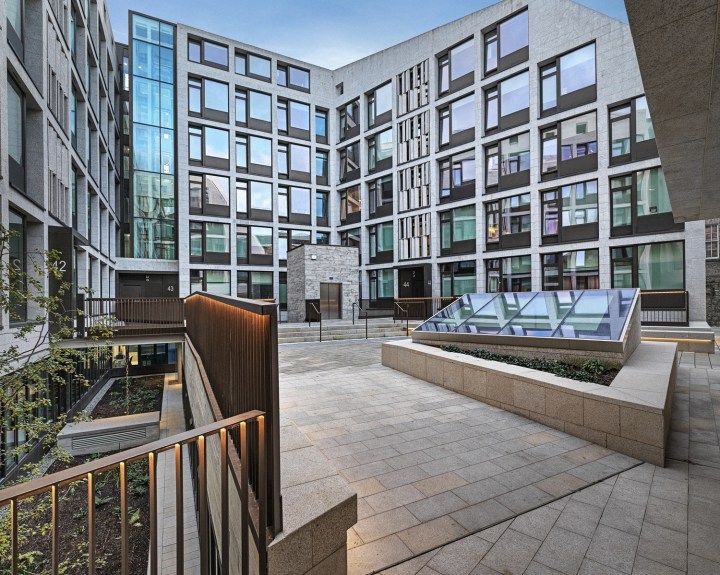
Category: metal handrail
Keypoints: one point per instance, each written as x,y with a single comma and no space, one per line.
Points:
404,310
319,313
10,496
356,303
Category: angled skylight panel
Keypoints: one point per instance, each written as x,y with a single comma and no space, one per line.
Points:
456,313
543,315
598,314
497,313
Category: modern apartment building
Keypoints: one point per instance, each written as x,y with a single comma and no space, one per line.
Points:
509,150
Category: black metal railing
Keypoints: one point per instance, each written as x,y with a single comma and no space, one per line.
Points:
670,307
244,426
313,313
236,340
361,312
420,308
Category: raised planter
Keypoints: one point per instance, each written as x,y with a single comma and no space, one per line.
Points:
110,433
631,416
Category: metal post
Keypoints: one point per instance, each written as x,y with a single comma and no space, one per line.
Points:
366,326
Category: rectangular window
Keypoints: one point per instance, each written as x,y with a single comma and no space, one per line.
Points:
300,202
241,107
349,163
293,77
255,285
456,67
321,208
241,198
382,284
457,122
507,163
513,274
568,81
210,242
457,279
570,213
659,266
457,231
217,143
258,67
260,155
507,223
241,245
321,167
712,244
261,196
16,35
506,43
261,242
379,105
380,148
641,204
321,126
350,205
260,110
579,270
208,53
457,177
381,242
240,63
349,118
16,135
632,136
573,150
380,196
209,194
507,103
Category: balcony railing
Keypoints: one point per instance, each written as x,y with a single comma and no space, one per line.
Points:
419,308
665,308
131,316
248,430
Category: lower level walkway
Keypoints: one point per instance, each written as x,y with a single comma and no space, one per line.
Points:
453,486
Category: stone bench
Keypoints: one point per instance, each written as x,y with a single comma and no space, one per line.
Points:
631,416
110,433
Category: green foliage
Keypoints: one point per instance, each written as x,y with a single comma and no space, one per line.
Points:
591,371
28,363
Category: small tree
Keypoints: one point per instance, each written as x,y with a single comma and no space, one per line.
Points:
33,364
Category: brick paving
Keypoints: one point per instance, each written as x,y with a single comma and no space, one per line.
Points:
431,467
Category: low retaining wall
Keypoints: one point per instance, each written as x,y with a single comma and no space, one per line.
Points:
318,505
631,416
110,433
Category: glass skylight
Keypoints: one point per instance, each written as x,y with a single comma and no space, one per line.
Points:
586,314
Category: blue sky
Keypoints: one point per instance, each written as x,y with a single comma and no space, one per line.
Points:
328,33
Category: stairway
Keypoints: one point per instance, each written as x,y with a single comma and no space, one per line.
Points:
335,330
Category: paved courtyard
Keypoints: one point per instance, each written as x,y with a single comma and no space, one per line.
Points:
450,485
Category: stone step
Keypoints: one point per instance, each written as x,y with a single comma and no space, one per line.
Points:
308,338
344,330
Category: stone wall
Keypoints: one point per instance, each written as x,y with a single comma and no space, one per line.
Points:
310,265
713,292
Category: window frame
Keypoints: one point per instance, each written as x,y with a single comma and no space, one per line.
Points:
509,121
508,239
457,247
454,269
494,267
644,150
17,173
573,166
207,209
192,39
384,256
288,76
207,160
458,138
634,263
378,204
321,179
572,233
205,112
286,148
512,180
321,139
510,60
561,276
321,218
347,217
714,252
660,222
448,165
371,99
251,284
373,146
444,60
220,258
294,217
345,131
574,99
289,129
346,175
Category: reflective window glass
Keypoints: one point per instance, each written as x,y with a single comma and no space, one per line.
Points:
514,34
259,66
217,143
299,78
299,116
260,151
216,95
515,94
260,106
299,158
215,53
300,200
462,59
261,196
577,69
463,114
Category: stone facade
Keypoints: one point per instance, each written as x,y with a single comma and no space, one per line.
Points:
311,265
712,271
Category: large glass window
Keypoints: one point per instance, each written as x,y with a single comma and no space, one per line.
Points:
15,19
216,95
260,106
215,53
577,69
350,203
457,226
209,194
578,137
381,238
505,99
261,196
349,161
217,143
349,116
512,37
458,62
259,66
579,203
379,102
300,200
380,148
712,241
382,284
380,193
261,241
515,214
507,157
652,193
639,201
321,124
632,136
299,116
255,285
457,279
456,118
260,151
458,173
299,158
16,135
321,164
513,274
659,266
578,270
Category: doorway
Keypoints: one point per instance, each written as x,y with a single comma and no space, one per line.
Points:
331,300
412,282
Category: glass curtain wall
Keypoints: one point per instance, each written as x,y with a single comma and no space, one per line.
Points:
153,108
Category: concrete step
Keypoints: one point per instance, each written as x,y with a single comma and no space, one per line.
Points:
315,329
309,338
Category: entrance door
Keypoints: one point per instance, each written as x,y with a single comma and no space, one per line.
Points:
330,301
412,282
